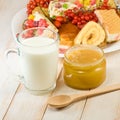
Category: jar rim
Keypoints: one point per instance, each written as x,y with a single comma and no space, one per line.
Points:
90,47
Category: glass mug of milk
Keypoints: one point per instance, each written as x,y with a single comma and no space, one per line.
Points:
38,59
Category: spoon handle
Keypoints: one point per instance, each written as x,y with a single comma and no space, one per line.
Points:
95,92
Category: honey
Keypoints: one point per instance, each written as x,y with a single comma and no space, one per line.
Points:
84,67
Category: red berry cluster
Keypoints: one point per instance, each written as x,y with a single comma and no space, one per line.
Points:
34,3
30,6
31,23
42,23
59,20
80,18
104,5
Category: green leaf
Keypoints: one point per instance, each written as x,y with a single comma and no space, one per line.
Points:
53,17
65,6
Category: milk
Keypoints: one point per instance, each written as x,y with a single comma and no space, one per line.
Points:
39,62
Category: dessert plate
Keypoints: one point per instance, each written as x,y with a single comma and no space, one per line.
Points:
19,18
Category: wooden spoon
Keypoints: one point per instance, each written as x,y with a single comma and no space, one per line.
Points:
65,100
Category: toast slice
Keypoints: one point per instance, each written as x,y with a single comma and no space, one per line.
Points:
110,21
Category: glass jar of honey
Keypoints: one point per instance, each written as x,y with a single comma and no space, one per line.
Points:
84,67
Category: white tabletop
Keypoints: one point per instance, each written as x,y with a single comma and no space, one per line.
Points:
17,104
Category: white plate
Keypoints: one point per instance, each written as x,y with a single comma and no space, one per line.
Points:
112,47
17,22
20,16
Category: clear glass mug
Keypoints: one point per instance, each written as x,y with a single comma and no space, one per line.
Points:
38,59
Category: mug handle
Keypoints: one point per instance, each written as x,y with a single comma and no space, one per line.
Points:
7,53
15,66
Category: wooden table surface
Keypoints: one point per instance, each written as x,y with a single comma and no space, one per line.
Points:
17,104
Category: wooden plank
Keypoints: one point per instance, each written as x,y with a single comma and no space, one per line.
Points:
8,88
95,108
72,112
106,107
26,106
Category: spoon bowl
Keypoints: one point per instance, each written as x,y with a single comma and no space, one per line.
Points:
60,100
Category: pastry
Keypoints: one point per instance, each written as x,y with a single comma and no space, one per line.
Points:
92,33
57,8
67,33
110,21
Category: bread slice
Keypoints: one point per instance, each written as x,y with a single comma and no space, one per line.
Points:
110,21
